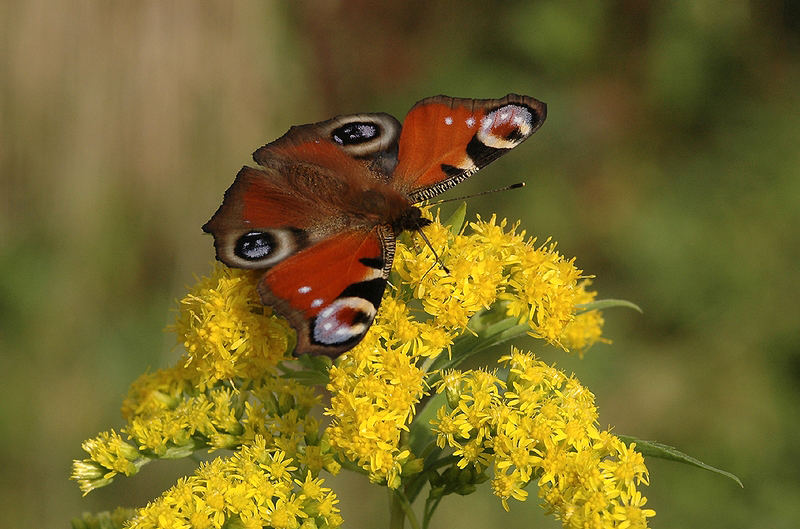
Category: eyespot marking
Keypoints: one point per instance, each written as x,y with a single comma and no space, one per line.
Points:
355,133
346,319
371,136
255,245
259,248
506,127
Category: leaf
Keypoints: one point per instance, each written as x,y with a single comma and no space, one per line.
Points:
602,304
314,372
491,328
662,451
456,220
421,434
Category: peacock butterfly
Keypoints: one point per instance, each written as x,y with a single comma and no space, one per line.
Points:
321,213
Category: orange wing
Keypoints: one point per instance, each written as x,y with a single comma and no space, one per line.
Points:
330,292
445,140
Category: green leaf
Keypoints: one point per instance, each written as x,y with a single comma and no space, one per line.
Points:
421,434
602,304
456,221
491,328
313,372
307,378
662,451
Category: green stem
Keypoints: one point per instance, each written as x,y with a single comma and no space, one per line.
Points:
397,515
400,510
430,508
415,486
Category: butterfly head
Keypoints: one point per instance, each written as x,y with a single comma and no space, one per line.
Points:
410,219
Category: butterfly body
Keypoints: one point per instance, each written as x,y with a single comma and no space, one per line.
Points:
321,213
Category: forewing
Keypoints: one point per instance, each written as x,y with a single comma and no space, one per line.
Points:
262,221
346,145
445,140
324,269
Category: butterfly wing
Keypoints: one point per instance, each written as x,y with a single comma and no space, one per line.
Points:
299,216
262,221
445,140
338,144
330,292
325,270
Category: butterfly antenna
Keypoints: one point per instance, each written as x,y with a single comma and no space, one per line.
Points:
436,255
506,188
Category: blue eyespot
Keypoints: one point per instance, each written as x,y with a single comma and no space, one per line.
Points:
254,246
355,133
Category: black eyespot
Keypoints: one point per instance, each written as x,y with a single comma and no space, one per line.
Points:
254,246
355,133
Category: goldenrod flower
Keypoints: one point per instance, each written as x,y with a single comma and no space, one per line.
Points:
540,425
225,331
232,389
174,412
253,488
378,385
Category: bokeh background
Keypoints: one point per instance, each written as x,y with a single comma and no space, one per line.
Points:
669,165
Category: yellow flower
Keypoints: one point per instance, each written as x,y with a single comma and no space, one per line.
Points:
506,486
232,390
254,488
377,385
225,331
543,428
586,328
373,400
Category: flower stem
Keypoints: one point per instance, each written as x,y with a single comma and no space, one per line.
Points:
400,509
397,515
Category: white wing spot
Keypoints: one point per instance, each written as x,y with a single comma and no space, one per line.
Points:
470,122
304,290
317,302
448,120
330,328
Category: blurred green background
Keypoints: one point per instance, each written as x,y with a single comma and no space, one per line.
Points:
669,165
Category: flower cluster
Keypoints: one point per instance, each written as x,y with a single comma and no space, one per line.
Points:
224,393
253,489
377,387
374,393
234,389
540,425
224,329
495,263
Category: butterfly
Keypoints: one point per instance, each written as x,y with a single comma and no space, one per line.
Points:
321,213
